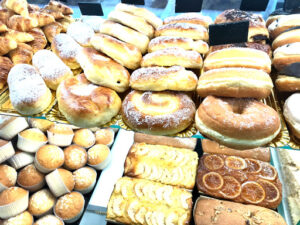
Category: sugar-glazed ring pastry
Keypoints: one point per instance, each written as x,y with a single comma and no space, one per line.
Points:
287,83
284,23
286,55
287,37
159,113
194,18
85,104
239,123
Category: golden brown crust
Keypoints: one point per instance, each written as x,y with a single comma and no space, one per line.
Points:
30,176
50,156
3,27
5,66
42,18
21,23
283,23
97,154
67,178
24,218
59,7
75,157
56,14
18,6
8,175
194,18
11,195
69,205
5,14
287,83
18,36
287,37
22,54
39,41
51,30
6,45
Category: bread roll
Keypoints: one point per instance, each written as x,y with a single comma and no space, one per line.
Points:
194,18
6,45
40,40
286,55
22,54
5,66
18,6
126,54
21,23
28,92
81,33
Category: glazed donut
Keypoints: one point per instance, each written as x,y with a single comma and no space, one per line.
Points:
186,30
85,104
162,42
287,37
102,70
66,49
275,16
194,18
28,92
174,78
291,112
286,55
236,122
283,23
140,12
126,54
132,21
125,34
158,113
286,83
173,57
238,57
81,33
235,82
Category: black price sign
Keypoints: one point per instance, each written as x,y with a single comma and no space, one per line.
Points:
228,33
292,5
90,9
254,5
188,6
134,2
292,70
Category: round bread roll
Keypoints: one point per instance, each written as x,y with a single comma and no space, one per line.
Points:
84,138
235,82
159,113
81,33
286,55
30,178
87,105
174,78
49,219
66,49
236,122
173,57
25,218
238,57
75,157
194,18
41,203
8,177
103,71
28,92
283,23
51,68
287,37
291,113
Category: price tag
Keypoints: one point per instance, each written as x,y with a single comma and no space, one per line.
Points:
90,9
228,33
254,5
188,6
292,5
134,2
291,70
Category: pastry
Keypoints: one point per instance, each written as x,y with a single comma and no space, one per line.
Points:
150,17
39,41
235,82
236,122
65,22
3,27
22,54
164,164
139,201
163,42
275,15
184,30
193,18
238,57
287,37
10,126
21,159
105,136
135,22
84,138
75,157
291,114
30,178
41,203
287,83
49,219
6,150
5,14
226,212
40,124
257,32
174,78
283,23
31,140
286,55
101,70
85,179
51,30
125,34
69,207
99,156
6,45
8,177
33,8
17,36
85,104
160,113
21,23
42,18
94,22
60,135
24,218
173,57
59,7
126,54
66,49
18,6
81,33
5,66
28,92
56,14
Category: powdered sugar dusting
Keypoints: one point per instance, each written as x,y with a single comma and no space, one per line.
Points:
84,176
83,90
80,32
174,51
66,46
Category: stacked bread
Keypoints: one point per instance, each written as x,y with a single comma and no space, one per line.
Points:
45,168
233,80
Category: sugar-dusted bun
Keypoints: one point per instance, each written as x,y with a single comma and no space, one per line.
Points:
238,57
174,78
51,68
60,135
105,136
194,18
8,177
30,178
40,124
75,157
99,156
10,126
291,113
162,42
41,203
49,219
84,138
287,83
173,57
28,92
149,16
21,159
69,207
132,21
286,55
126,54
236,122
85,179
103,71
93,21
31,140
235,82
66,49
287,37
60,182
6,150
25,218
160,113
184,30
283,23
13,201
125,34
81,32
85,104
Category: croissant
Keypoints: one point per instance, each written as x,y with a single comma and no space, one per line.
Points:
5,14
65,22
51,30
57,15
40,40
18,6
18,36
6,45
22,54
21,23
42,18
5,66
33,8
59,7
3,27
